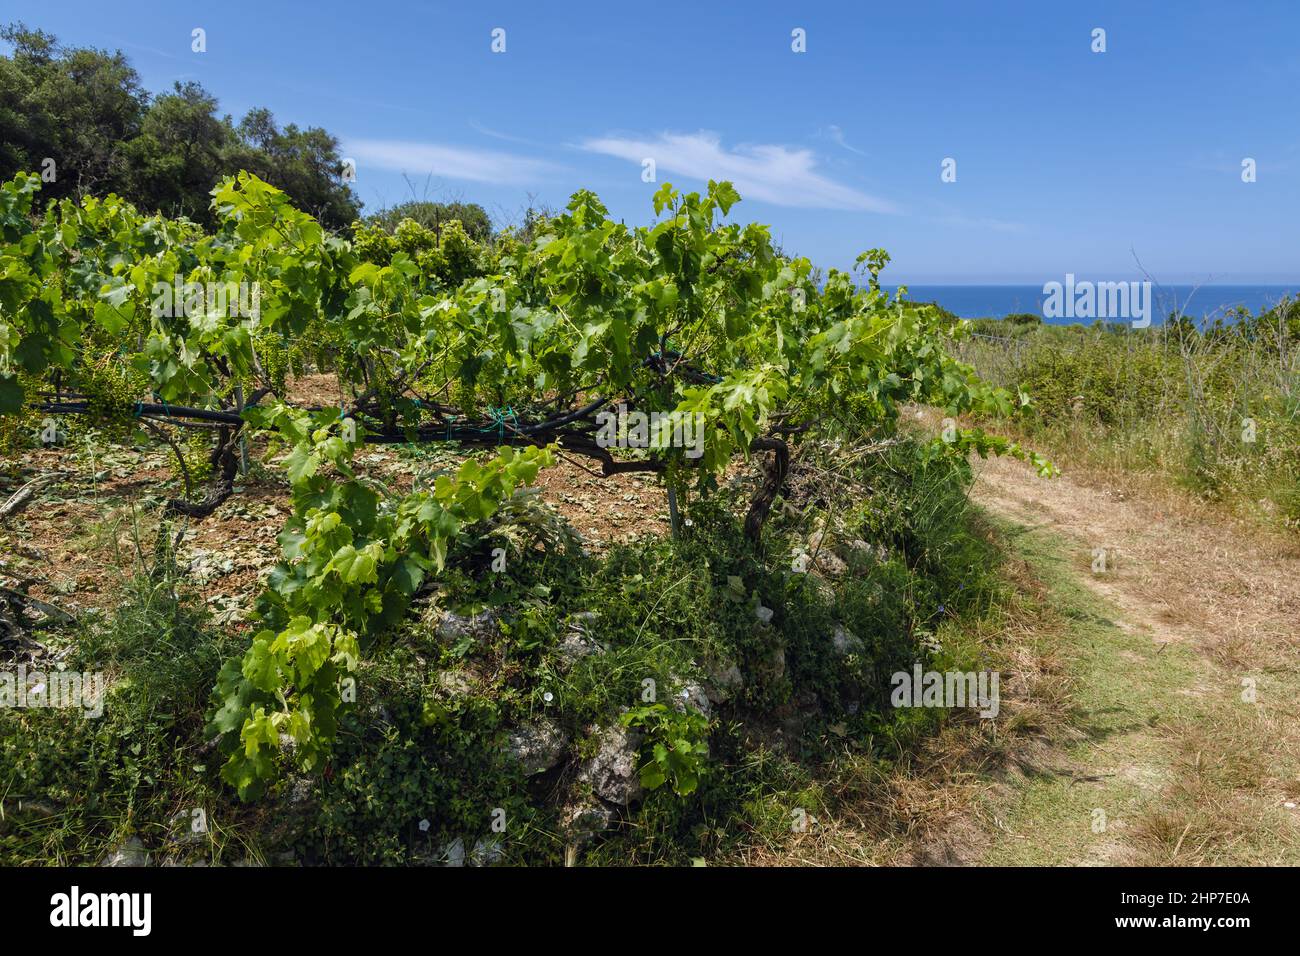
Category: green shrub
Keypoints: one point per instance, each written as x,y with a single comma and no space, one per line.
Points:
1213,409
131,769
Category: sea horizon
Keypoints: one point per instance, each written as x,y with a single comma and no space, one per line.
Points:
975,301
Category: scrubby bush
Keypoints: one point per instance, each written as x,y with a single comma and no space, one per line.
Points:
1212,408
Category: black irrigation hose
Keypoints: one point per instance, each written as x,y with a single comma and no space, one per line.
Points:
489,433
430,433
469,436
150,410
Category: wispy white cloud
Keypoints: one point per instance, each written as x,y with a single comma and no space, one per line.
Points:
837,135
777,174
984,222
448,162
478,127
150,49
946,214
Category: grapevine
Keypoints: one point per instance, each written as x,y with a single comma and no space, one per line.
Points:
516,347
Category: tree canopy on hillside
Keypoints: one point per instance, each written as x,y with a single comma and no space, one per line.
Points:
434,215
87,111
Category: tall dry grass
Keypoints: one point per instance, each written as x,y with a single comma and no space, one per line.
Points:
1214,408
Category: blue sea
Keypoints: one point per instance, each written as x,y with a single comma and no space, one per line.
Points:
1208,301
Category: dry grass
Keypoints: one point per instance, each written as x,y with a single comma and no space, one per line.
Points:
925,807
1228,595
1223,805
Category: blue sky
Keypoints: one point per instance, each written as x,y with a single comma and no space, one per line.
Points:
1067,160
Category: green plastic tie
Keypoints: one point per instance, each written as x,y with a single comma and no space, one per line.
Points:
499,419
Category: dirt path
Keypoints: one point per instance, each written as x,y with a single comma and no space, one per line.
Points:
1182,639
